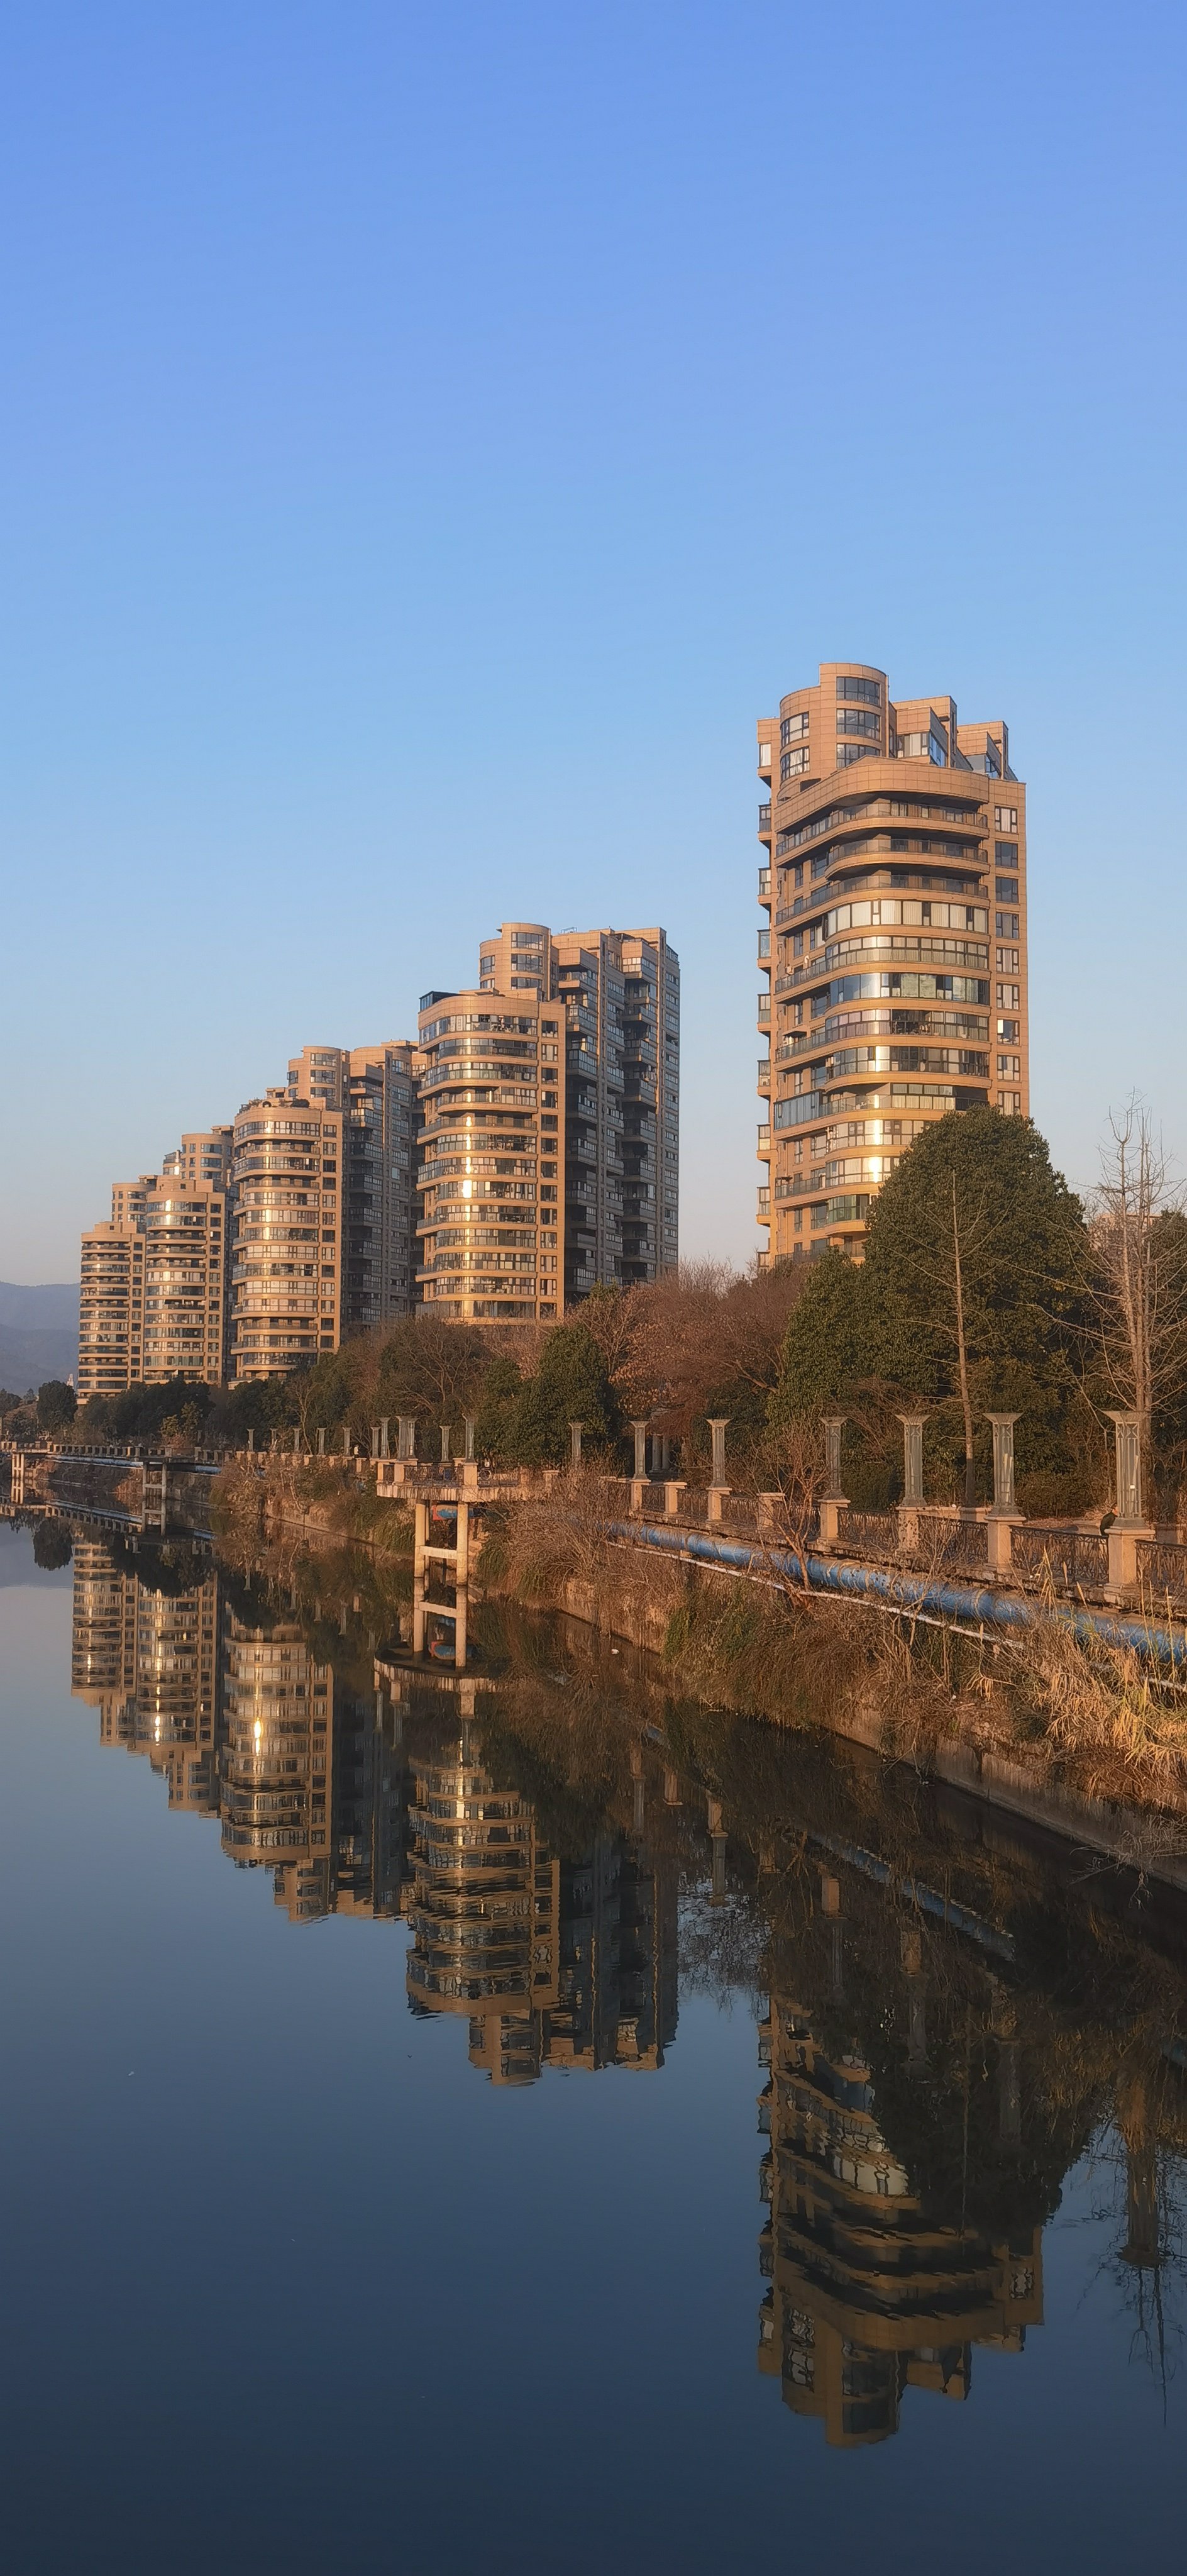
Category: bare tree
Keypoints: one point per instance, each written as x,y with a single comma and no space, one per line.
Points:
1138,1237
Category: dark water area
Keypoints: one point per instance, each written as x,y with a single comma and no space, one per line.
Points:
524,2124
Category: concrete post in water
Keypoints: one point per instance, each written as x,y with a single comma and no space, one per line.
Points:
1005,1512
469,1426
1129,1524
717,1837
406,1436
833,1500
575,1430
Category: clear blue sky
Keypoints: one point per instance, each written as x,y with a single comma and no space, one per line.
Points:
433,434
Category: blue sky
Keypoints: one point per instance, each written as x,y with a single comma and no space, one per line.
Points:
432,435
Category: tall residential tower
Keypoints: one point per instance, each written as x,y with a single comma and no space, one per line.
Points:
895,949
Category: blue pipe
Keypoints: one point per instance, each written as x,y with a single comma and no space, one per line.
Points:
907,1591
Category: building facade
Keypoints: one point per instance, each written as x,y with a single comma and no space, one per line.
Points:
375,1089
153,1295
620,990
492,1096
288,1234
894,951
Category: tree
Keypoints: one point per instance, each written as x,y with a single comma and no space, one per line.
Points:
1138,1277
52,1544
705,1340
970,1299
570,1384
57,1405
827,1346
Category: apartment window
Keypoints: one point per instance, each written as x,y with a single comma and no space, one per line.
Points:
858,720
1009,1067
1010,1103
847,753
1007,892
1007,928
1007,1031
865,689
1008,996
764,755
792,729
924,746
792,763
1006,853
1006,818
797,874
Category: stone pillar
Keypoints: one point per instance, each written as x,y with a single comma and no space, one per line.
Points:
420,1543
912,1460
321,1441
673,1490
1004,1512
375,1439
1130,1523
384,1449
833,1500
446,1429
297,1442
406,1436
718,1425
346,1439
575,1430
251,1440
469,1425
640,1432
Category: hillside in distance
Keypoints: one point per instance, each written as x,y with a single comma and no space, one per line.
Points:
38,1333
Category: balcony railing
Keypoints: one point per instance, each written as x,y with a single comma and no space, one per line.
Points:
764,818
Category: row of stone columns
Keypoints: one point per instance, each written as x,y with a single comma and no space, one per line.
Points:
1128,1523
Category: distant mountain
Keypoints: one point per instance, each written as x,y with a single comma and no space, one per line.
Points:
38,1334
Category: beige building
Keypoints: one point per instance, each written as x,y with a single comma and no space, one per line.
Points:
894,955
492,1094
110,1310
153,1296
621,995
375,1088
286,1261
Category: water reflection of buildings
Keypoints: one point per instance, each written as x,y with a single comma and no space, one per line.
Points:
148,1660
246,1721
869,2295
551,1962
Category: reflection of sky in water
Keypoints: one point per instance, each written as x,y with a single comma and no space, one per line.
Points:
594,2156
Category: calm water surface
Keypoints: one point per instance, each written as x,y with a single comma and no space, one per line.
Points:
536,2127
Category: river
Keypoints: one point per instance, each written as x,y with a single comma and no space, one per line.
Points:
528,2124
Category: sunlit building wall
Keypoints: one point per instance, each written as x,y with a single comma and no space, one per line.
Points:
892,965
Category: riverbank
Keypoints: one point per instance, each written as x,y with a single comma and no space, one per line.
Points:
1070,1731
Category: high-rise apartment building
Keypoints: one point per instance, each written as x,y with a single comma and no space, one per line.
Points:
110,1310
153,1297
375,1088
287,1250
895,948
621,995
492,1091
